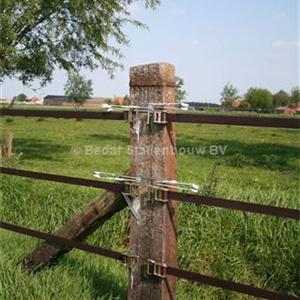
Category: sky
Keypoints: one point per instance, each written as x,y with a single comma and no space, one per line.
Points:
210,42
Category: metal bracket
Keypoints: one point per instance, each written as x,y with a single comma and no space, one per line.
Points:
157,116
160,117
130,261
132,189
158,194
156,269
131,115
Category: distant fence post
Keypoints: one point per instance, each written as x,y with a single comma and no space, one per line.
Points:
153,156
6,146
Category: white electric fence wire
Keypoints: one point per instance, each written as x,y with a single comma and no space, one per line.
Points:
173,184
150,107
182,186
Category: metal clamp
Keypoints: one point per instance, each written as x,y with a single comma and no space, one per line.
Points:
131,115
160,117
157,116
130,261
132,189
156,269
158,194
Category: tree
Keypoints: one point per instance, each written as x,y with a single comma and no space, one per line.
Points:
180,93
259,98
37,36
108,101
244,105
126,100
295,97
77,89
20,98
281,98
228,95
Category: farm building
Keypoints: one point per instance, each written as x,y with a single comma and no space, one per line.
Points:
288,110
34,101
63,100
5,101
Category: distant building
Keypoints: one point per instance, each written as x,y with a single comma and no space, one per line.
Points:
55,100
201,105
237,103
65,101
5,101
288,110
119,100
34,101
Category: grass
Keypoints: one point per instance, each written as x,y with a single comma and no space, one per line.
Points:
260,165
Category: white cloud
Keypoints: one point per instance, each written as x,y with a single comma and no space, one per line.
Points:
286,44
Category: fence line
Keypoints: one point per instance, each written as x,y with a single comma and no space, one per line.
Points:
170,270
155,81
196,199
181,118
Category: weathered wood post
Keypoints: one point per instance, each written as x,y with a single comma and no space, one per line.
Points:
153,156
6,146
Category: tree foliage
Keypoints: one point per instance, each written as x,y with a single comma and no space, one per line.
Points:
228,95
281,98
20,98
259,98
126,100
77,89
295,97
36,36
180,93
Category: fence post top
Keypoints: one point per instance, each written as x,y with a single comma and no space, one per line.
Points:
156,74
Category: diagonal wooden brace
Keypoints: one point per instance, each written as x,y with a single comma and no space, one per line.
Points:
81,225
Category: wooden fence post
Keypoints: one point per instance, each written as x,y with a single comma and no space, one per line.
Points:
6,146
153,156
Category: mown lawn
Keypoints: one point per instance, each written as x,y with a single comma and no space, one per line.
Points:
260,165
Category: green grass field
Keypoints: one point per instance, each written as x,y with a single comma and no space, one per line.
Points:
260,165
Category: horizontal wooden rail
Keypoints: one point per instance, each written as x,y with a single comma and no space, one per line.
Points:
237,205
66,114
227,284
181,118
183,274
196,199
62,241
235,120
113,187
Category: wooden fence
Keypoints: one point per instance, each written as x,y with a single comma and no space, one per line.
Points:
152,258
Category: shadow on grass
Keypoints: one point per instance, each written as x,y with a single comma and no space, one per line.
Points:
262,155
104,283
39,149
